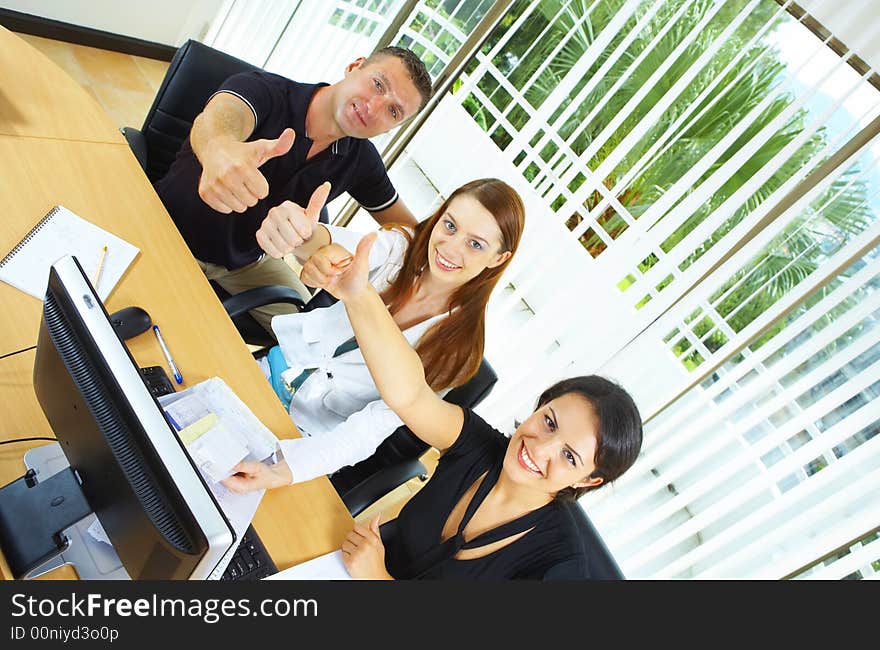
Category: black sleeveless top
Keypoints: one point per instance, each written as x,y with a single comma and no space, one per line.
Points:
553,548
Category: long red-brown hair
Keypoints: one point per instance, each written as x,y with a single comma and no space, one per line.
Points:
451,349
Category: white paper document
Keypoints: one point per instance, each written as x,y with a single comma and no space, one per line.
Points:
217,428
96,530
217,451
185,410
239,510
323,567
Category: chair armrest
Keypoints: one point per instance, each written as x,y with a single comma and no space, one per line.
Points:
246,300
137,143
321,298
377,485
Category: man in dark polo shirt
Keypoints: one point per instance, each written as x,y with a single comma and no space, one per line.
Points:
264,150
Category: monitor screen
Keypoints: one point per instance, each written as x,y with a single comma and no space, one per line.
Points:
133,470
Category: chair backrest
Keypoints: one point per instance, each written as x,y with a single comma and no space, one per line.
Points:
603,566
195,73
321,298
475,389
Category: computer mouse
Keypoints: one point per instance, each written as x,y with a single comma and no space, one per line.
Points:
130,321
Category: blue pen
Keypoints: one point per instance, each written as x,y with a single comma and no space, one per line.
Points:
177,376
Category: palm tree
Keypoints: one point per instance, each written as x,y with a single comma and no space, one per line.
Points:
795,254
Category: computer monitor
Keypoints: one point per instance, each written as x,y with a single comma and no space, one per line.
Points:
127,464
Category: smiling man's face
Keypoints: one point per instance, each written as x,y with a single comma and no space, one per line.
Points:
374,97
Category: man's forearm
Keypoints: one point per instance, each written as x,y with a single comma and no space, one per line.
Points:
225,118
320,238
397,213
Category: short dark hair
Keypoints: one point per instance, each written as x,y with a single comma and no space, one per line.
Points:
620,426
417,71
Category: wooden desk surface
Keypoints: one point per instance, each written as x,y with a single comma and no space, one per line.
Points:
39,99
102,182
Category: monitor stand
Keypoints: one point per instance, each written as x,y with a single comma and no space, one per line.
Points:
92,559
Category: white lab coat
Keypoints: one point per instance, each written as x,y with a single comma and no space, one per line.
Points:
338,408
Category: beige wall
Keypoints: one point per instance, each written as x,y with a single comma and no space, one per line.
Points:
169,22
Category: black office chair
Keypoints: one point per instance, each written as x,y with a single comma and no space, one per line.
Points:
396,460
603,566
251,331
195,73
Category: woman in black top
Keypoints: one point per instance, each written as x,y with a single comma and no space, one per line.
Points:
551,548
496,508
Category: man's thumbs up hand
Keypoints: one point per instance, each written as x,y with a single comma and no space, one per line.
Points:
231,180
266,149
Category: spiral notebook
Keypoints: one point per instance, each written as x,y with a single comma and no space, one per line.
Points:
61,232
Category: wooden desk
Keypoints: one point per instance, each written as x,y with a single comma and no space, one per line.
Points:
39,99
102,182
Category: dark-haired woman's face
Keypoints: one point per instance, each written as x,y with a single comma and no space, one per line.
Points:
555,447
464,241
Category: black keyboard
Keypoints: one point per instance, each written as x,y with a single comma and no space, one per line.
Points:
157,380
251,560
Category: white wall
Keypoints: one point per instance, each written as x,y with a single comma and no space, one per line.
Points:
854,22
169,22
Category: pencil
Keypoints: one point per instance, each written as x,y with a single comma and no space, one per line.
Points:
100,267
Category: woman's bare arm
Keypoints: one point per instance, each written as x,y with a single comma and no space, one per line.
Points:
394,365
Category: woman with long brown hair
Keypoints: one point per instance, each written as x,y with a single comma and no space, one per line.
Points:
435,279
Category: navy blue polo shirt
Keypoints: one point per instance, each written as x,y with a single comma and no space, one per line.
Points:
350,164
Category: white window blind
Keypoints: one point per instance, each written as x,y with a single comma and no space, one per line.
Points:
650,264
759,461
306,40
614,273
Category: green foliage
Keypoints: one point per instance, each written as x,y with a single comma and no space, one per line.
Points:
746,94
557,35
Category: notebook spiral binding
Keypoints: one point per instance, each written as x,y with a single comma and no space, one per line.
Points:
30,235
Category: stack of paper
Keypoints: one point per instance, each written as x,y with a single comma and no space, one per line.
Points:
219,431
